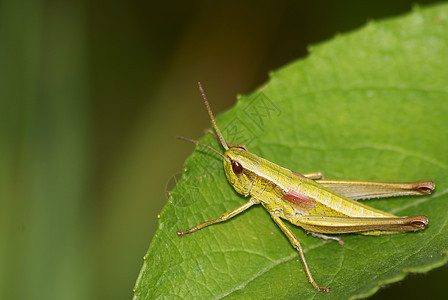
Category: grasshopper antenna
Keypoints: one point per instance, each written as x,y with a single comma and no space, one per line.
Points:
212,118
201,144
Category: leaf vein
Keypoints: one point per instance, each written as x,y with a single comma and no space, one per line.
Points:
275,263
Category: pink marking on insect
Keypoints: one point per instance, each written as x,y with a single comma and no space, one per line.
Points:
298,199
297,174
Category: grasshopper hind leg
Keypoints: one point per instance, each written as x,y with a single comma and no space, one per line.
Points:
296,244
326,237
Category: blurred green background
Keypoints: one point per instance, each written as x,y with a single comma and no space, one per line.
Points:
92,94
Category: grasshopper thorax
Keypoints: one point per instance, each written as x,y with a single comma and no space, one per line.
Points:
241,168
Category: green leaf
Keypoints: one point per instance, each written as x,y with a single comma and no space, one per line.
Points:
371,104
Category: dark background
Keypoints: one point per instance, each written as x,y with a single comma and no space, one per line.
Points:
92,94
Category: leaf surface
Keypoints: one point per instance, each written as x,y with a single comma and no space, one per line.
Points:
371,104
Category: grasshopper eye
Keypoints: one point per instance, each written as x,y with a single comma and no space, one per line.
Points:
237,167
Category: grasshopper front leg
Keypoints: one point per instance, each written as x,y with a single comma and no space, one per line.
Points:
224,217
296,244
314,175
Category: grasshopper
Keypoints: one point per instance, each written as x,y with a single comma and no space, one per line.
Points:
319,206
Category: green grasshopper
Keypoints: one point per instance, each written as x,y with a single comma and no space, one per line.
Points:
319,206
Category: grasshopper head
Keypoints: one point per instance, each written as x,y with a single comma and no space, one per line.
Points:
239,164
240,167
